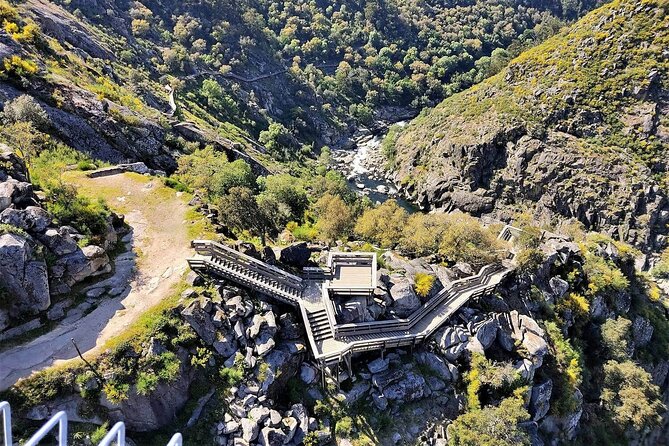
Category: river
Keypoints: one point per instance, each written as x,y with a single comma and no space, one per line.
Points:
361,166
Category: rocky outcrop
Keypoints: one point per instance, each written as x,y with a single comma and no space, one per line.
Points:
29,237
296,254
23,277
524,148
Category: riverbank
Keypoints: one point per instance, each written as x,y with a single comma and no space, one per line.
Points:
363,167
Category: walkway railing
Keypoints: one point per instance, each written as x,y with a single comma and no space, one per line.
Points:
246,270
115,435
406,324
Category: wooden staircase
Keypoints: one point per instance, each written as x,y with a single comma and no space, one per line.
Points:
224,262
319,325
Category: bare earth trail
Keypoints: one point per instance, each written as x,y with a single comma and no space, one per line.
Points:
147,274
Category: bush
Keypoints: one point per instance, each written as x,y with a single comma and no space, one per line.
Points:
26,109
16,66
334,217
631,396
9,229
231,376
382,225
617,337
423,232
491,426
99,433
146,383
116,392
344,427
69,208
423,284
467,241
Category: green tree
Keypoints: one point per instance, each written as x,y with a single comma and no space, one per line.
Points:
382,225
467,241
334,217
275,139
631,396
491,426
288,190
617,337
238,210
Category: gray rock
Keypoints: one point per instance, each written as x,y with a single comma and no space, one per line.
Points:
272,437
264,344
642,331
558,286
267,255
249,429
32,219
308,374
296,254
436,364
435,384
59,242
540,400
405,300
411,387
359,389
378,365
13,192
259,414
379,400
200,321
23,277
225,344
486,332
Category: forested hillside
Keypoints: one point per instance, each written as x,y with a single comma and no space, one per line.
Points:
575,128
232,63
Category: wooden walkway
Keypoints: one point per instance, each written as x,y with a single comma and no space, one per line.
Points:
333,344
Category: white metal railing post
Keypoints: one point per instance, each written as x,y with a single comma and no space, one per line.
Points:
117,432
176,440
6,423
61,420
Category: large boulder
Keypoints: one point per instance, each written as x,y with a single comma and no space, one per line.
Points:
11,165
23,277
33,219
200,321
144,413
405,299
525,331
540,400
486,332
452,341
437,365
296,254
13,192
409,388
642,331
77,266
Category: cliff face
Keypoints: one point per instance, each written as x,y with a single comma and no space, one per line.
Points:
574,128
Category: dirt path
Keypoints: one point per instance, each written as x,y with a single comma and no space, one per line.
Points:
160,244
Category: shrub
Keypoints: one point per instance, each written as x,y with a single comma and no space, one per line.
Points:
491,426
16,66
603,275
9,229
467,241
26,109
146,383
423,284
631,396
115,391
231,376
423,232
86,165
69,208
577,304
382,225
334,217
344,427
617,336
569,370
99,433
661,268
528,260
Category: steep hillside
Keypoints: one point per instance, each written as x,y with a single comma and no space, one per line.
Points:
576,127
103,69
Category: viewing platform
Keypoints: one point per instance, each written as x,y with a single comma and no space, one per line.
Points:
327,297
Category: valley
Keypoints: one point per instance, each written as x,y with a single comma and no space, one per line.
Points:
335,223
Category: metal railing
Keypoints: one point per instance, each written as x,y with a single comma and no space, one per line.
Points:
115,435
483,277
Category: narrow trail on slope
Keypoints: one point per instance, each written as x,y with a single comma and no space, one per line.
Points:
147,274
